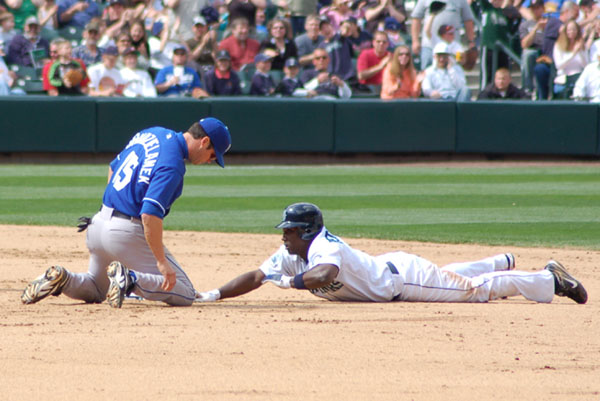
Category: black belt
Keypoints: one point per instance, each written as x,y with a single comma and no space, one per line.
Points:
120,215
392,268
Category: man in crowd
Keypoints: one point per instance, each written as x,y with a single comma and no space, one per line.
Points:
240,46
444,80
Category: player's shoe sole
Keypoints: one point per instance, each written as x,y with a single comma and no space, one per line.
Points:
566,285
120,284
49,283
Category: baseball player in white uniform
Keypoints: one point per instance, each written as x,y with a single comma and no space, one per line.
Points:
313,259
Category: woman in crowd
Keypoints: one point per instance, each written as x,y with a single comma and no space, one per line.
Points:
279,45
400,78
139,40
570,58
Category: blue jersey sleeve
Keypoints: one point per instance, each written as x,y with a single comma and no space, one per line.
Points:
161,77
166,186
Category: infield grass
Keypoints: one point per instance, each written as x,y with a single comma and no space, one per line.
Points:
527,206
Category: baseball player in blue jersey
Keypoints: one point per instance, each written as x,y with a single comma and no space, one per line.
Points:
312,258
125,238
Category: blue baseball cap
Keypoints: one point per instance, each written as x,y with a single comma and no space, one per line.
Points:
219,137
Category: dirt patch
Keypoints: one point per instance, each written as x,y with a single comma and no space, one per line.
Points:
287,344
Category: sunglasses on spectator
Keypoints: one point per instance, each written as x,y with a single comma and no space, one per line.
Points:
321,57
403,54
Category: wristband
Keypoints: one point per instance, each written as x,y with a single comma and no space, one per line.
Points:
299,282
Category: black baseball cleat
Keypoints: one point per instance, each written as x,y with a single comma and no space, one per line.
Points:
566,285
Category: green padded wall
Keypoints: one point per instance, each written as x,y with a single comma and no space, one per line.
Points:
43,124
395,126
277,125
527,127
120,119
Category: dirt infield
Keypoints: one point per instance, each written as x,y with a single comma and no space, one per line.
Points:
278,344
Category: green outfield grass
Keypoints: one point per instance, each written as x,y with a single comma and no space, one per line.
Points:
531,206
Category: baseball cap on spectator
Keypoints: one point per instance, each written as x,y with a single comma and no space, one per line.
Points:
199,20
113,2
219,135
292,62
111,51
210,14
323,19
536,3
92,26
179,48
441,48
391,24
131,50
223,55
444,29
32,20
157,28
261,57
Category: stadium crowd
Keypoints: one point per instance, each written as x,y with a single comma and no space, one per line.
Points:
301,48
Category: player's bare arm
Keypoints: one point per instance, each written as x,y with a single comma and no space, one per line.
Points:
317,277
240,285
153,231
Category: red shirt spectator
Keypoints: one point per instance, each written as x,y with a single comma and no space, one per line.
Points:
241,48
371,62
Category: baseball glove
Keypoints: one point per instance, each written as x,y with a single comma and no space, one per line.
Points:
469,59
73,76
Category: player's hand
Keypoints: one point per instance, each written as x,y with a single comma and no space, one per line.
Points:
169,276
208,296
279,280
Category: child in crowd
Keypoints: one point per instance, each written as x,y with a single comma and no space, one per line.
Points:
7,28
262,83
447,33
290,82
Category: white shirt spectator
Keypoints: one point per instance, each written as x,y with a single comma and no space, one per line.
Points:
448,82
568,64
139,83
588,84
100,77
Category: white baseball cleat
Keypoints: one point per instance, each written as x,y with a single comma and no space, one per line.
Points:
121,284
49,283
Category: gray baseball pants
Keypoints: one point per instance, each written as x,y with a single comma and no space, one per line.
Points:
111,238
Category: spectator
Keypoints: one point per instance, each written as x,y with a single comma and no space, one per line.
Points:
22,10
594,38
376,13
551,8
279,45
590,10
497,24
371,62
290,81
76,13
544,63
8,78
105,78
262,32
245,9
241,48
339,11
185,11
340,51
262,83
20,48
531,33
320,83
570,58
447,34
454,12
54,45
202,45
587,86
222,80
392,28
400,77
299,11
67,76
47,15
138,82
123,43
443,80
89,51
117,18
178,80
309,41
502,88
360,39
139,40
7,28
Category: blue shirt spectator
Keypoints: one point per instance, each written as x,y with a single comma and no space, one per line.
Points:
76,13
187,79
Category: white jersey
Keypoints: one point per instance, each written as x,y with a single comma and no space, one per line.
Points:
361,277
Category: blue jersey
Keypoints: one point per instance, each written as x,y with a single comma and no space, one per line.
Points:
148,174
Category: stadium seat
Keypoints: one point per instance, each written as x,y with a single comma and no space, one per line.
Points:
31,86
